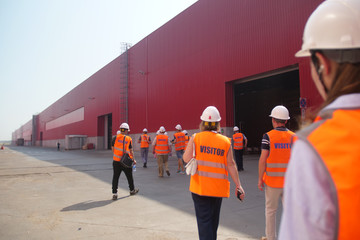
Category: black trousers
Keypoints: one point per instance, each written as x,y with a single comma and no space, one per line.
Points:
118,168
207,211
239,159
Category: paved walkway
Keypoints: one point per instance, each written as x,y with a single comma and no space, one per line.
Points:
49,194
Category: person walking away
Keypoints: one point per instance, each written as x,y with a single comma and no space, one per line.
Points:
144,141
118,147
113,140
210,182
187,138
162,149
322,199
274,157
179,141
239,144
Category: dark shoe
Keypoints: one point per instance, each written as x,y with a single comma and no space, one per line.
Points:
133,192
168,173
115,197
144,165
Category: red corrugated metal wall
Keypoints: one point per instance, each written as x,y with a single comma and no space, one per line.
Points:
189,63
189,60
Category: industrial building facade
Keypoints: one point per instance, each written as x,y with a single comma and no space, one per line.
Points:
237,55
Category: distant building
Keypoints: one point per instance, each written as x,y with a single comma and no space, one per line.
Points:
235,55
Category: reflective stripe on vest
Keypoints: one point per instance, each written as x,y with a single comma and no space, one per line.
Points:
276,163
212,174
335,138
118,146
144,141
162,144
238,141
211,178
180,141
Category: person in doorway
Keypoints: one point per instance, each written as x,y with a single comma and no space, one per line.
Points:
121,140
144,141
162,149
322,199
179,141
239,141
210,183
58,146
275,155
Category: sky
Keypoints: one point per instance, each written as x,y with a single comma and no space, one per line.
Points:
48,47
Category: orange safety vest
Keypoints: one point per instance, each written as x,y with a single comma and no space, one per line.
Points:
277,161
162,144
144,141
180,141
118,146
336,141
211,177
238,139
187,138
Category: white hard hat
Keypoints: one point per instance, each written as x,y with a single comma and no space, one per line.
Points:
118,132
125,126
178,127
145,130
280,112
184,131
335,24
162,129
210,114
236,129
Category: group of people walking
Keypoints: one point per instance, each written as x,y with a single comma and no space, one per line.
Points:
314,171
162,148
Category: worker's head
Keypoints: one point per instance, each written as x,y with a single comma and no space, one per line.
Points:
279,115
210,119
124,128
332,40
145,130
162,130
178,127
236,129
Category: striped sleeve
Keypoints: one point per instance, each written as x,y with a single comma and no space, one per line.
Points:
265,142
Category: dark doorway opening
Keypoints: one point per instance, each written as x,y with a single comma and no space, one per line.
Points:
109,130
41,139
104,131
254,99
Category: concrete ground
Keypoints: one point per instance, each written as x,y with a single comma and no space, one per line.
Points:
50,194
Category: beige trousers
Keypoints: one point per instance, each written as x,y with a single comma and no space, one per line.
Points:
272,196
162,160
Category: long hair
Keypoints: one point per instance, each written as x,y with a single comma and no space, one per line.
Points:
346,81
209,126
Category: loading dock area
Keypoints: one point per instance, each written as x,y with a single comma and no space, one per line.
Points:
255,97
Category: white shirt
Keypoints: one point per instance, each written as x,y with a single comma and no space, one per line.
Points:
309,208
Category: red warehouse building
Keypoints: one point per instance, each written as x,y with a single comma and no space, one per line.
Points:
237,55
